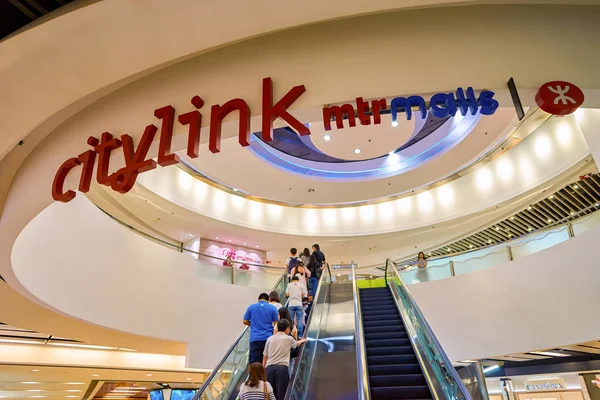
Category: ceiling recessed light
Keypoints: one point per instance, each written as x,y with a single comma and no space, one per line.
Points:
447,248
575,187
597,204
357,151
512,218
394,123
529,208
572,213
470,246
256,245
229,240
189,234
217,237
35,370
551,197
31,383
34,390
489,241
529,229
497,228
188,379
95,375
429,253
549,221
244,242
327,137
148,374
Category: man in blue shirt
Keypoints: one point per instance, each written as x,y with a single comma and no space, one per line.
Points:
260,317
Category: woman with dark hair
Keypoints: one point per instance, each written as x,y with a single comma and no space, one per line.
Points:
303,273
421,260
274,299
284,313
256,386
305,256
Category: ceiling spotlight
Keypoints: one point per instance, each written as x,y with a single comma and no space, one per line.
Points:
551,197
256,245
189,234
244,242
597,204
429,253
497,228
529,208
327,137
575,187
572,213
490,241
357,151
470,246
95,375
217,237
35,370
188,379
512,218
148,374
229,240
530,229
394,123
549,221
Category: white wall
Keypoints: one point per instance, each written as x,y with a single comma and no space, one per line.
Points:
80,262
545,300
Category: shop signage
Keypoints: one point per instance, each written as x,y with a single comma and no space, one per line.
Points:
551,384
559,97
441,105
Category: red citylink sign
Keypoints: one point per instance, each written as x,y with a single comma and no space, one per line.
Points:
136,162
559,97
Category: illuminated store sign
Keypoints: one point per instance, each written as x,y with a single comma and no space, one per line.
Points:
440,105
559,97
550,384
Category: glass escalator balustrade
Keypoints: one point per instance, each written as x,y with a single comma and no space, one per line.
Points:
439,372
222,383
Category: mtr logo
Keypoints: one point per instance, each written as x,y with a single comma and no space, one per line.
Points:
441,105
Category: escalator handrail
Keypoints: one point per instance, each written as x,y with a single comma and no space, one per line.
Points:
426,326
308,321
361,352
229,351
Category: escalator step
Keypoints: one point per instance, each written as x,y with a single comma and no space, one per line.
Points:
398,380
377,317
388,360
394,369
390,330
397,334
386,342
383,322
406,392
390,351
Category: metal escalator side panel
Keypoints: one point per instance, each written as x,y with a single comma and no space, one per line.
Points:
441,377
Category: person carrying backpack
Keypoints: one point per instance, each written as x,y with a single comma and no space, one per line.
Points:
291,261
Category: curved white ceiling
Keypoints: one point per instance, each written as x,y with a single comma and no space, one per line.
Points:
555,146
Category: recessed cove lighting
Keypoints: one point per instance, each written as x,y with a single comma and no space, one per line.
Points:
31,383
327,137
34,390
357,151
394,123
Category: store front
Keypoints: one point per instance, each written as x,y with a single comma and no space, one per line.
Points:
551,387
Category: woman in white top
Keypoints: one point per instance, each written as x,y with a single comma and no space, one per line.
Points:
256,386
303,274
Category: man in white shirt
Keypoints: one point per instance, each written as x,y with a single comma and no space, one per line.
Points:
276,358
295,292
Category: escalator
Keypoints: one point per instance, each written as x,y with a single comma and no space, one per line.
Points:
393,367
377,335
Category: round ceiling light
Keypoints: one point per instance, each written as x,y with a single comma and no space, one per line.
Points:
327,137
394,123
357,151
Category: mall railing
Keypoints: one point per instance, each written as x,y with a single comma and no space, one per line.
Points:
468,261
441,376
223,270
298,388
222,382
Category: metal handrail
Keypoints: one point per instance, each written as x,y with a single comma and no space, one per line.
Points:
229,351
308,321
426,326
179,247
564,221
361,360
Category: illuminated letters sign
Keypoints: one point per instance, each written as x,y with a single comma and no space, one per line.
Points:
440,105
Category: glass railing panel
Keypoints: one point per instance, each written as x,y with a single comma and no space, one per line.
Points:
221,384
298,389
586,223
439,371
258,277
436,270
539,241
213,272
481,259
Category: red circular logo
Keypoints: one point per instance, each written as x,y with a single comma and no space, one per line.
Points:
559,97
